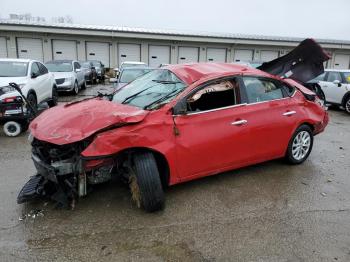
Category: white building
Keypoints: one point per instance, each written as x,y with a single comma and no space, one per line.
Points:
113,45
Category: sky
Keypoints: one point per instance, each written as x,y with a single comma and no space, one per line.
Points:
295,18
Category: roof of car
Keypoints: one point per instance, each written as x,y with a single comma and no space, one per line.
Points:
190,73
337,70
138,68
17,60
134,62
59,61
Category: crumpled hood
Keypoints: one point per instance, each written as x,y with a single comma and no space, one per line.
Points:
73,122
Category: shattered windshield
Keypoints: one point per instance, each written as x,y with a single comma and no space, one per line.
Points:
151,90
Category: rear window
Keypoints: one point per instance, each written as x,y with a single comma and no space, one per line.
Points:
347,77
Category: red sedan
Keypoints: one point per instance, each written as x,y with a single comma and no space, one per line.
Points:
172,125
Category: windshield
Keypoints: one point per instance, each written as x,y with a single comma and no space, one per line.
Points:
13,69
59,67
96,64
129,75
85,65
151,90
124,65
347,77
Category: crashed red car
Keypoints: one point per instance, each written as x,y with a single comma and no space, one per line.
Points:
176,124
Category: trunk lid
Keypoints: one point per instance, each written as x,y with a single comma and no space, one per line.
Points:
73,122
302,64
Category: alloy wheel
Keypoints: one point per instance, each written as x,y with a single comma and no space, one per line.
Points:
301,145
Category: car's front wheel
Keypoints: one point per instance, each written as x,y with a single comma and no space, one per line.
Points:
300,145
347,105
145,184
76,88
54,99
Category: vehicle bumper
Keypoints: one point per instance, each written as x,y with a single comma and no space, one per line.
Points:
67,86
320,127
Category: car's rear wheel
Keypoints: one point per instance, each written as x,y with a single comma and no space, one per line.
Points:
75,88
145,184
12,128
347,105
300,145
83,86
54,100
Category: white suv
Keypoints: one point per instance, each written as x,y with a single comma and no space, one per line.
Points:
37,83
335,86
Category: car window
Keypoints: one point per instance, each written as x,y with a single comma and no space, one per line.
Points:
35,69
332,76
13,69
347,77
218,94
320,77
43,69
76,65
259,90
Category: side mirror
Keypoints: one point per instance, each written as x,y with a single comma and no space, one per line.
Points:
77,70
337,82
180,108
34,75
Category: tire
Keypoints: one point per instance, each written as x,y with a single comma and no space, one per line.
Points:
145,183
12,128
300,145
54,100
83,86
75,88
347,105
33,102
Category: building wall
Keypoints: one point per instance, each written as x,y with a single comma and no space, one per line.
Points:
114,40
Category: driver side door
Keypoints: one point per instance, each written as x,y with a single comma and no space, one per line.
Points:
212,139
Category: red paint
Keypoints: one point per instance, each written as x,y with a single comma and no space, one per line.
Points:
207,143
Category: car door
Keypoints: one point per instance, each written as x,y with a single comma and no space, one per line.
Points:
269,117
79,73
212,135
47,81
333,88
36,82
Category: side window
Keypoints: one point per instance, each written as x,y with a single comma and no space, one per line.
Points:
218,94
76,65
259,89
35,69
332,76
43,69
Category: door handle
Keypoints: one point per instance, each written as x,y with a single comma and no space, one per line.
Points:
239,122
289,113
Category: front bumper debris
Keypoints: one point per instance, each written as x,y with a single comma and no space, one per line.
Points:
33,189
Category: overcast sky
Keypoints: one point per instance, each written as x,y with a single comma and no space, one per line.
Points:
300,18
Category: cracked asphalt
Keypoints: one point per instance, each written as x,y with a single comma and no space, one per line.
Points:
267,212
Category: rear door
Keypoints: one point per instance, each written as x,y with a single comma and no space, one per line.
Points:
268,117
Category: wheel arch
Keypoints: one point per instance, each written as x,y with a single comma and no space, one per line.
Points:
162,161
345,97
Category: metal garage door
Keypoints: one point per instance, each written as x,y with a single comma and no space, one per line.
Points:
243,55
341,61
216,54
188,55
268,55
3,47
98,51
64,49
158,55
30,48
129,52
